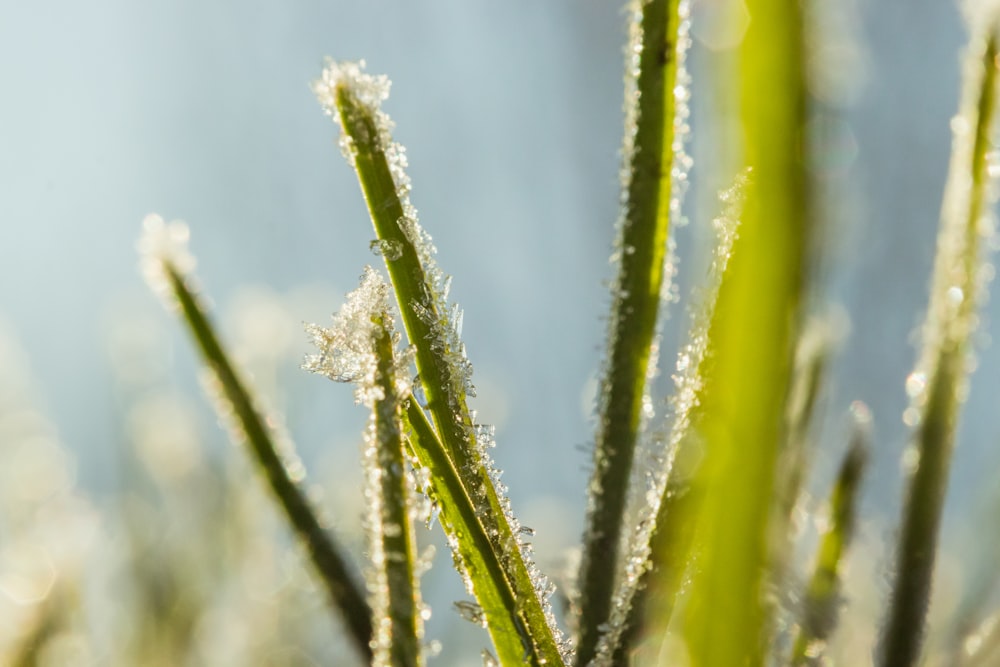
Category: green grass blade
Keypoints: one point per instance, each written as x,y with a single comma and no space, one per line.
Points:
822,599
660,551
399,634
469,541
168,267
353,98
656,45
939,381
752,338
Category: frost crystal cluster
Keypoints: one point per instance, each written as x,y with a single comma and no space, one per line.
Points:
346,351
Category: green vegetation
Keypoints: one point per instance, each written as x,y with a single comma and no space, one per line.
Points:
700,573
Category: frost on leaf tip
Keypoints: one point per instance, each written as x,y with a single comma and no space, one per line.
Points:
346,349
163,248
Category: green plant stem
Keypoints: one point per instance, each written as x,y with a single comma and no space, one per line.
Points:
819,616
752,336
943,365
460,521
330,565
443,387
401,597
642,246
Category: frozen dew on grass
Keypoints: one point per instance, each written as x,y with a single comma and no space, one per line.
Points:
353,98
661,480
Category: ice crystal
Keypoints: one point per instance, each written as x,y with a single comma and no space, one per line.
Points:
346,352
163,248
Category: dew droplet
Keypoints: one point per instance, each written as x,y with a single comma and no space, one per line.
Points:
916,382
390,249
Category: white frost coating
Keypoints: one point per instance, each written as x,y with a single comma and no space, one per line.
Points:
164,244
959,283
688,382
445,323
346,349
347,353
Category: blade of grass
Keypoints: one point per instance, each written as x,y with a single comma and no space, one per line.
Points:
819,614
660,550
752,336
468,539
939,382
399,631
641,246
331,566
353,99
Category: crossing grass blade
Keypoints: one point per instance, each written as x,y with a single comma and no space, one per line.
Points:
641,246
939,382
352,97
331,566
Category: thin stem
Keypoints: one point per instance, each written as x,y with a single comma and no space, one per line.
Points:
938,383
642,246
819,615
330,565
398,603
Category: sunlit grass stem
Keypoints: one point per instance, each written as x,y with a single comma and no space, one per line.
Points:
395,529
939,382
331,566
438,364
642,245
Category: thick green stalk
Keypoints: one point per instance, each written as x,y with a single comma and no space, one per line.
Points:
752,338
399,633
330,564
443,369
938,383
819,614
641,246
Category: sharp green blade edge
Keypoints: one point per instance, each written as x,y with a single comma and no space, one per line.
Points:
938,383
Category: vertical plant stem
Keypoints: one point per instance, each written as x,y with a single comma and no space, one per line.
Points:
400,629
642,246
938,383
440,357
819,615
752,338
330,565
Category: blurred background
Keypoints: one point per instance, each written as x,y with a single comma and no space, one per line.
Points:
114,470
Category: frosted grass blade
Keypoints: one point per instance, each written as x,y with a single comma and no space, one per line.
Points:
939,382
352,98
660,550
399,633
822,599
168,268
483,573
752,336
647,183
